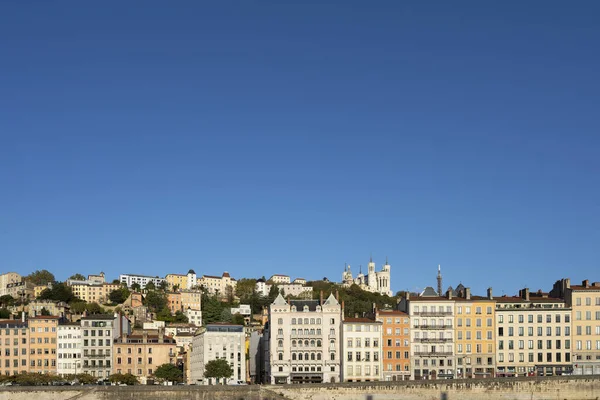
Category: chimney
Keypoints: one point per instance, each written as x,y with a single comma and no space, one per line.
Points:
449,294
525,294
161,335
489,294
568,283
321,297
22,316
355,315
586,283
407,295
144,336
468,293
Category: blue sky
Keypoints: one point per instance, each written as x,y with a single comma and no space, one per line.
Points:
292,137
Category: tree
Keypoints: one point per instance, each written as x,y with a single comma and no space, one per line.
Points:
155,301
273,293
127,379
238,319
43,311
86,379
226,315
150,286
4,313
244,289
7,300
164,285
78,307
77,277
136,287
40,277
212,309
168,373
118,296
58,292
218,369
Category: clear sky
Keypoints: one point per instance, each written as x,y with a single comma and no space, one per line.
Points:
291,137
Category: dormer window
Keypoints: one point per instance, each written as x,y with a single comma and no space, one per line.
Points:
318,308
294,309
305,309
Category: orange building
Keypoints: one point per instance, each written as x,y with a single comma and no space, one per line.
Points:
42,344
396,344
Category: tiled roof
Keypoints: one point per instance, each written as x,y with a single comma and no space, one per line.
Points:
392,312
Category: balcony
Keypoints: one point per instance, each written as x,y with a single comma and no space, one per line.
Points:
432,354
97,356
432,326
433,313
432,340
95,367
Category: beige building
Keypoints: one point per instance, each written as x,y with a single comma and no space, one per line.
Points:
218,284
42,344
7,278
533,335
361,350
280,279
475,339
93,292
584,300
14,347
52,307
20,290
182,282
142,352
303,341
98,333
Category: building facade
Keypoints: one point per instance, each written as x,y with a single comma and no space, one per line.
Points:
6,279
14,347
396,344
533,335
94,292
69,349
222,285
142,352
99,332
303,341
218,341
42,344
280,279
361,350
142,280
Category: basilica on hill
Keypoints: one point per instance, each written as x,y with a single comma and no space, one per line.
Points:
376,282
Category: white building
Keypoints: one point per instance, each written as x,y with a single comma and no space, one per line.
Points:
98,334
362,357
225,341
296,290
154,325
91,280
141,280
299,281
374,281
280,279
69,351
262,287
192,279
243,309
303,340
194,316
432,353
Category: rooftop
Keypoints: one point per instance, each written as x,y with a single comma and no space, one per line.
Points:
360,320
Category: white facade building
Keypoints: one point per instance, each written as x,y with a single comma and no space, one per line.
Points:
262,287
362,358
280,279
141,280
225,341
194,316
69,351
374,281
243,309
303,340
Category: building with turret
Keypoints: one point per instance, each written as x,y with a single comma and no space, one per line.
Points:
373,281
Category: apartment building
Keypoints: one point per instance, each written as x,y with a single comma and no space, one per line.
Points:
142,280
14,347
194,316
179,281
94,292
296,290
533,335
361,350
52,307
69,349
584,300
23,290
142,352
99,332
432,334
42,344
303,341
218,341
396,344
218,284
7,278
280,279
475,339
262,287
91,280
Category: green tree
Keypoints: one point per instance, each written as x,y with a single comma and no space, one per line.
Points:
77,277
238,319
4,313
212,309
218,369
226,315
127,379
59,292
164,285
40,277
44,311
273,293
86,379
136,287
155,301
150,286
245,288
168,373
7,300
118,296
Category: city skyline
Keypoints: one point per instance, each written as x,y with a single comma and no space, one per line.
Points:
293,138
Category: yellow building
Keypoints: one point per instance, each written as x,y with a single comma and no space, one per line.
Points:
94,293
584,300
142,352
176,281
223,285
42,344
14,347
38,289
475,335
